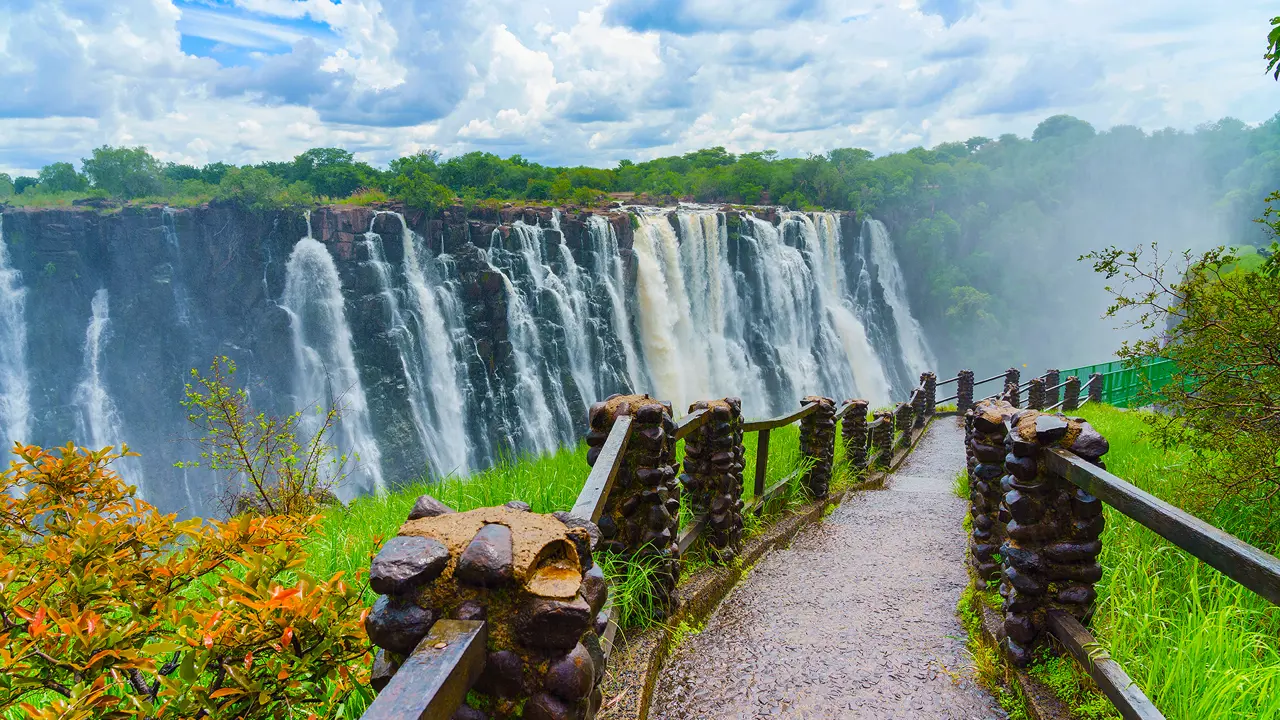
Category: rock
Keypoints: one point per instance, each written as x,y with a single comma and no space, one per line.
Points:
383,669
407,562
582,542
601,623
470,610
1077,595
397,625
487,560
573,521
1090,445
1019,628
544,706
466,712
520,505
427,506
1065,552
591,641
594,588
1025,584
503,675
571,677
553,624
1050,429
555,579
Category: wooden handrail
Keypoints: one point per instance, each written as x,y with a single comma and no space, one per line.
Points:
595,491
948,399
691,422
1238,560
1107,673
774,423
435,678
984,382
940,383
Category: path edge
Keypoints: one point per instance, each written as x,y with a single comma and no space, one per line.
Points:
637,663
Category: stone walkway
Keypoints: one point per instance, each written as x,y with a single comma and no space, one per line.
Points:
856,619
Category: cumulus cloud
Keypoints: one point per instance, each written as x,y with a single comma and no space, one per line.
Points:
593,81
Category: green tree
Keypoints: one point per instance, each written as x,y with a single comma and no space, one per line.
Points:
61,177
22,182
258,189
6,185
124,172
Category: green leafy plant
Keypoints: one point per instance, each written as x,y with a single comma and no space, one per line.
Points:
266,468
110,609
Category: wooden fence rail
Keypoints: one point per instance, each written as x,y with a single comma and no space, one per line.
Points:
435,678
1251,567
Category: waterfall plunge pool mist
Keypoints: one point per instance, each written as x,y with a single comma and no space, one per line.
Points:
448,340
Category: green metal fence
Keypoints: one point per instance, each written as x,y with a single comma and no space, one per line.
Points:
1127,386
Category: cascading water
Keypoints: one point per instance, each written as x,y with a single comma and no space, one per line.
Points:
915,349
608,270
425,351
325,366
99,420
15,383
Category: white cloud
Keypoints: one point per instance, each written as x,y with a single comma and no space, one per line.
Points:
593,81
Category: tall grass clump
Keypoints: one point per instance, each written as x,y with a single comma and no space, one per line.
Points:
1199,644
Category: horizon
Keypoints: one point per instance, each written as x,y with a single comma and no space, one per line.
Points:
586,83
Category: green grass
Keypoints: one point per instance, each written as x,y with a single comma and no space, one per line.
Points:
1200,645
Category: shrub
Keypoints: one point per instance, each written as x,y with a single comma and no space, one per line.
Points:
109,609
258,189
266,469
124,172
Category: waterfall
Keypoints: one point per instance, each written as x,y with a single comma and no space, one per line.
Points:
663,309
822,238
915,350
425,351
15,384
99,420
445,382
325,366
181,302
607,268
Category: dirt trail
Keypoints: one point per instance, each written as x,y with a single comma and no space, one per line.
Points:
856,619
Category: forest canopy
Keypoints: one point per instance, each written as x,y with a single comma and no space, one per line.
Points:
979,225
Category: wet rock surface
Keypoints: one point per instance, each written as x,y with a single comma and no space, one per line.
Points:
855,620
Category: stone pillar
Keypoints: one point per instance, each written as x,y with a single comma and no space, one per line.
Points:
918,403
930,383
1049,556
642,514
854,429
530,577
986,451
1095,388
1051,380
902,424
1035,393
882,439
713,460
1014,378
818,443
964,391
1071,393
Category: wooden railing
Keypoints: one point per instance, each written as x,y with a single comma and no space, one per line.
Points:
1253,568
435,678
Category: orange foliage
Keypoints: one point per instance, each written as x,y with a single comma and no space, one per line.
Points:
110,609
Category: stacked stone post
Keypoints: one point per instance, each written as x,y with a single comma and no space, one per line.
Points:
964,391
1052,393
1035,393
1013,394
854,429
882,438
1095,388
930,382
918,403
1050,552
818,444
713,460
641,515
1071,394
530,577
902,423
985,452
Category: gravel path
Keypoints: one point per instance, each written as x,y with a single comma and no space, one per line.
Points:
856,619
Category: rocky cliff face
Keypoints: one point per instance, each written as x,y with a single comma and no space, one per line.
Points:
474,333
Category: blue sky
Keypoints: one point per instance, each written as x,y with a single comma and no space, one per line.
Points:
595,81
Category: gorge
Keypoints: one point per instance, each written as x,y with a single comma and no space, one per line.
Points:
449,340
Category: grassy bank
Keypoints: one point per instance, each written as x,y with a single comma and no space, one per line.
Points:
1200,645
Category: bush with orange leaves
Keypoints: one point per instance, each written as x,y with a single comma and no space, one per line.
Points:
109,609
